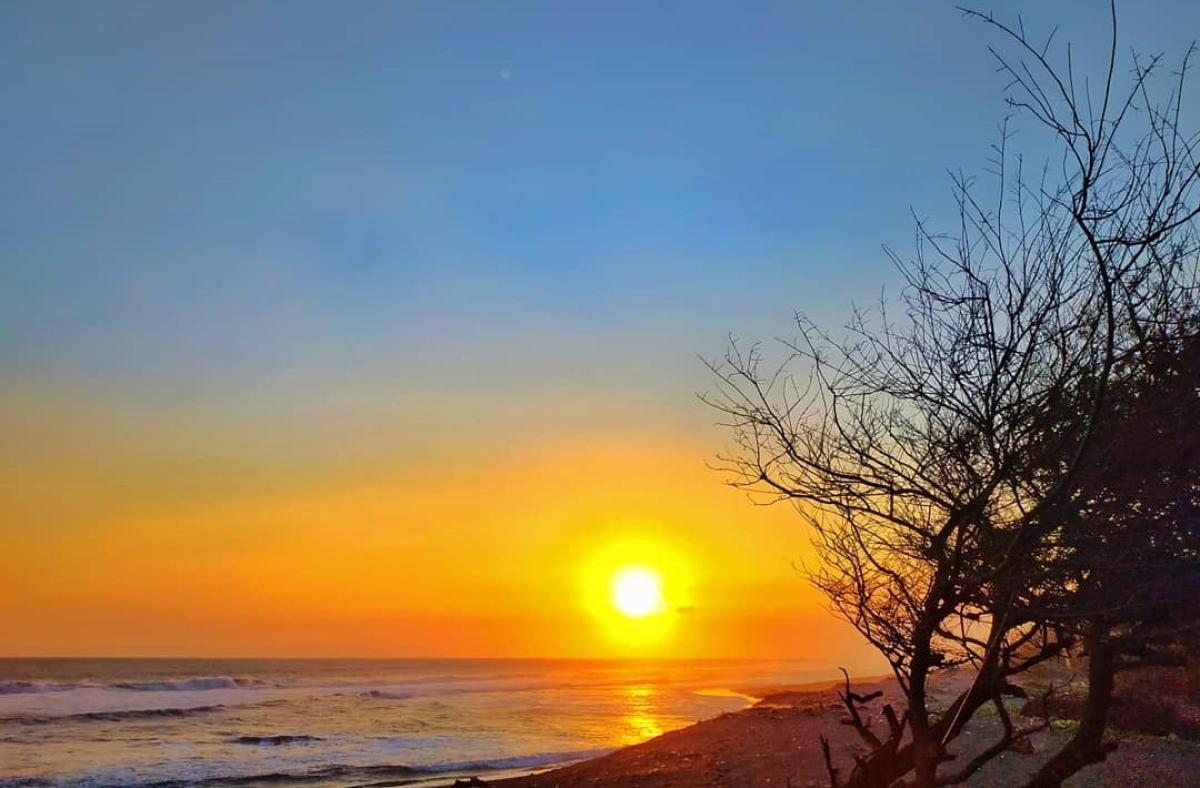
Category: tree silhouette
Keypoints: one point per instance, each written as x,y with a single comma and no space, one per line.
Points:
954,451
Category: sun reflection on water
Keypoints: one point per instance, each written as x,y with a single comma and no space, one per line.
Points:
639,722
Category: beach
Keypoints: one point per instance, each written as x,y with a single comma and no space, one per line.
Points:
776,743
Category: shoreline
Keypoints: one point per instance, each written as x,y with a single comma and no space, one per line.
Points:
772,741
811,696
775,742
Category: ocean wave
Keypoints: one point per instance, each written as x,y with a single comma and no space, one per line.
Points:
276,741
193,684
375,688
317,774
112,716
169,685
22,687
376,773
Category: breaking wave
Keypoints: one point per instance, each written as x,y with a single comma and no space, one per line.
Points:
193,684
21,687
170,685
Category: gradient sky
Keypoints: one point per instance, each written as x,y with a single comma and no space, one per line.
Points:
356,328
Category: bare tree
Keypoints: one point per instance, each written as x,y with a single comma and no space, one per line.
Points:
936,448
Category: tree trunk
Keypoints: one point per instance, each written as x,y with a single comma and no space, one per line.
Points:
1087,746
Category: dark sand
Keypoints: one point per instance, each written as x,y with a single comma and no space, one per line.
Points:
775,743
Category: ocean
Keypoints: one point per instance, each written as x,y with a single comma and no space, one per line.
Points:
100,723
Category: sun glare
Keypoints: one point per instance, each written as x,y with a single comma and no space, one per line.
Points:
637,591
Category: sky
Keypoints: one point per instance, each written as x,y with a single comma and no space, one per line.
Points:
373,329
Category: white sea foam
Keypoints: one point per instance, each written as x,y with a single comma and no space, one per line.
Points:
534,761
193,684
20,687
223,774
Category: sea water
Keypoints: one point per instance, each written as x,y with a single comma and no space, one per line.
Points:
97,723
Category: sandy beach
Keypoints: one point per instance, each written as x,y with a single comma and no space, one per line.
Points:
772,743
775,743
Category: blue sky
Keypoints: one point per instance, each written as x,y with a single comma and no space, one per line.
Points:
397,197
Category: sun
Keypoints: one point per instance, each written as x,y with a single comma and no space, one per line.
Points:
636,591
640,590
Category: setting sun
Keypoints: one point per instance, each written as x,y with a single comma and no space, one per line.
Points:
637,591
639,588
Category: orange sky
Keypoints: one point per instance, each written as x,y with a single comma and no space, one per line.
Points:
139,528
